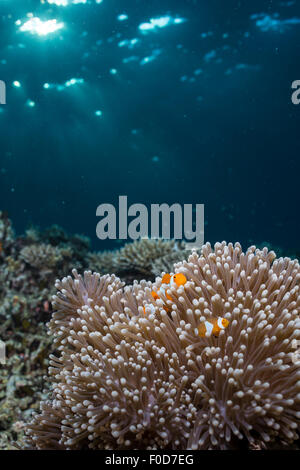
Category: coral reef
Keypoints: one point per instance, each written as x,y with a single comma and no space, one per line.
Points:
6,234
41,257
28,269
142,259
131,372
29,266
147,258
102,262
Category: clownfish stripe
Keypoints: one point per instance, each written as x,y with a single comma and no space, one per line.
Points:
162,291
212,327
209,327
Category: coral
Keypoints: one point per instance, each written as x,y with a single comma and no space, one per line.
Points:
29,266
165,263
102,262
6,234
143,258
41,256
76,245
32,235
54,235
128,377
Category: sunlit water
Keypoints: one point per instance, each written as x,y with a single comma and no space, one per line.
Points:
162,101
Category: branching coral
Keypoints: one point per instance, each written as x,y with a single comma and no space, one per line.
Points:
29,265
102,262
165,263
144,258
41,256
6,234
129,380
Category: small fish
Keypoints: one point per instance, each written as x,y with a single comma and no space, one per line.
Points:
212,327
178,279
167,281
155,295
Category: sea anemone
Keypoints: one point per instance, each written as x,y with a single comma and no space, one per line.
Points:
132,372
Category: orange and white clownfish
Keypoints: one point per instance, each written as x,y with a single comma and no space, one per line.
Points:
176,280
212,327
167,281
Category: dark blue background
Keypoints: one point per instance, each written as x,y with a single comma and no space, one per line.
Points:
236,150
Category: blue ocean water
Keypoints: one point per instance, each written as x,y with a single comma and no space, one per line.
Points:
175,101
